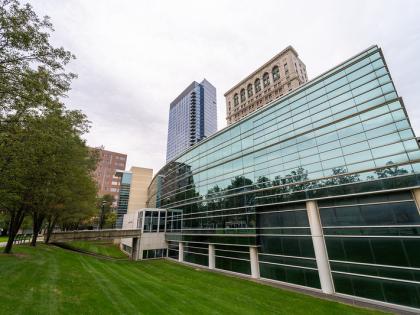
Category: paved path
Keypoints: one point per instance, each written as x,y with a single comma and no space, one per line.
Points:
40,239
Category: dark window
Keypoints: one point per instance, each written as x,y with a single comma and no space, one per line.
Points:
243,95
257,85
236,99
276,73
162,221
147,221
266,79
249,89
155,221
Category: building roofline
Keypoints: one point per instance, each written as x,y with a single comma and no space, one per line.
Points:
263,66
184,93
269,105
106,151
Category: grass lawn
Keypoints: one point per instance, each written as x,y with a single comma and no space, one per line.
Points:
50,280
99,247
3,239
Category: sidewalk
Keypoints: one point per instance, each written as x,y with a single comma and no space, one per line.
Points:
40,239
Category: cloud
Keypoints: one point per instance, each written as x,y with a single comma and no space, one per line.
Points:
135,57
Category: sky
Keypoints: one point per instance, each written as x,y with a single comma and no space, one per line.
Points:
134,57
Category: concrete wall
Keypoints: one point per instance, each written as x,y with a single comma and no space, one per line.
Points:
129,222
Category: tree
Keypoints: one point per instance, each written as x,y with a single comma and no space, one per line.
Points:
32,82
110,219
64,164
31,69
48,167
3,223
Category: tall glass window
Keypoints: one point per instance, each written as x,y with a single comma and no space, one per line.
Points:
155,221
162,221
147,221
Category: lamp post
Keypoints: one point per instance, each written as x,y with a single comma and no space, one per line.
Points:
101,218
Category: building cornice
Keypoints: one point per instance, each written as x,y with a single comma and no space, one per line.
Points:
288,48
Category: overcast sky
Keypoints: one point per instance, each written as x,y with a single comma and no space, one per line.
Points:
134,57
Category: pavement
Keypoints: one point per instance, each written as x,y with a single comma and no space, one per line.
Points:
40,239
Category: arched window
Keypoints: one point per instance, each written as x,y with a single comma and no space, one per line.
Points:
243,95
249,89
236,99
257,85
276,73
266,79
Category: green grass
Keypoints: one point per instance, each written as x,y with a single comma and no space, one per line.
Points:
3,239
50,280
99,247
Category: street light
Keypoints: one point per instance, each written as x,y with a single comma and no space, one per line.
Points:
101,218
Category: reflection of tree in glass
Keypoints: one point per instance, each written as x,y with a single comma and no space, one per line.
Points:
282,184
343,179
215,198
390,170
239,181
263,182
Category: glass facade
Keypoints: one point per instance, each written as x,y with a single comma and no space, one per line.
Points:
343,140
124,195
192,117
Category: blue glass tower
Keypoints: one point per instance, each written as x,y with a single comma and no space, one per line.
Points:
123,196
192,117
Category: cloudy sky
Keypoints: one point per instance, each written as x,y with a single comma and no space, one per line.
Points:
134,57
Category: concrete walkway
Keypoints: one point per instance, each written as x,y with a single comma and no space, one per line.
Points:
40,239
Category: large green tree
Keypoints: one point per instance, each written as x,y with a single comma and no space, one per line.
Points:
44,164
63,181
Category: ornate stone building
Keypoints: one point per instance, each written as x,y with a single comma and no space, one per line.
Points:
283,73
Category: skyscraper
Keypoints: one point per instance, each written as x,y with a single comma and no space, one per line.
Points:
192,117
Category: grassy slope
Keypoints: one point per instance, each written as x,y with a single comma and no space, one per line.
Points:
49,280
99,247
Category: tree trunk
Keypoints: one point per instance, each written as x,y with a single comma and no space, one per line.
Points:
38,219
16,220
50,228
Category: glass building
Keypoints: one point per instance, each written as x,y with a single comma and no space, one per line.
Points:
124,196
192,117
319,189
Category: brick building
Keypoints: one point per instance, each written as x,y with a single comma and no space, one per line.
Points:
104,174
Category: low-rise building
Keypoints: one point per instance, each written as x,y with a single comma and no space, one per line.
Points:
133,192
